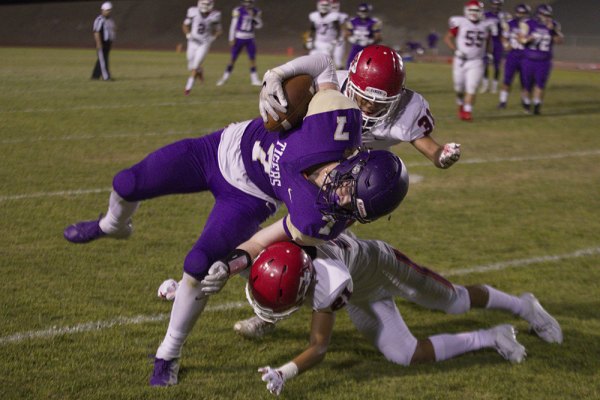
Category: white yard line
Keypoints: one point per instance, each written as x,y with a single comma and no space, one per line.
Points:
142,319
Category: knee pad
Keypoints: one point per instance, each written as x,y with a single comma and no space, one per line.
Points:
461,303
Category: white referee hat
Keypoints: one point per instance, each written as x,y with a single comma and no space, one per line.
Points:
107,5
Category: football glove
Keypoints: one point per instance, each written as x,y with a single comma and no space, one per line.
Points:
460,55
216,278
272,97
274,379
450,154
352,39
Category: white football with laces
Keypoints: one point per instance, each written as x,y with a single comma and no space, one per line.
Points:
167,289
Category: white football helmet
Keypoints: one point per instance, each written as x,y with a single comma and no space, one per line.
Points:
323,6
474,10
206,5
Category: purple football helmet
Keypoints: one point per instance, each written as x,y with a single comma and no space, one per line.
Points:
377,181
544,9
364,10
522,9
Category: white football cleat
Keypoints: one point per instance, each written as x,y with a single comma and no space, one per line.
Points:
253,328
506,344
540,321
256,82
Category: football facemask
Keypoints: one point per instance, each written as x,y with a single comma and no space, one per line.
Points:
364,187
474,11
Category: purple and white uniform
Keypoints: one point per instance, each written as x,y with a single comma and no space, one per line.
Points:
241,31
250,171
514,56
537,55
498,19
362,33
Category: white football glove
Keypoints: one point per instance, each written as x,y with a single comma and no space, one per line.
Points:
460,55
168,289
450,154
309,45
216,278
274,379
272,97
352,39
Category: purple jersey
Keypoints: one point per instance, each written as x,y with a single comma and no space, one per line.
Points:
540,47
363,28
244,21
276,163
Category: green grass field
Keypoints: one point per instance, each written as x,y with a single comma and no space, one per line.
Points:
520,211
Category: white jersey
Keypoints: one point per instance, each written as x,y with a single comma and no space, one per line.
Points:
411,120
325,27
471,37
378,271
202,28
334,284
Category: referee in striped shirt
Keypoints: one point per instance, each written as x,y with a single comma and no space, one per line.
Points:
104,34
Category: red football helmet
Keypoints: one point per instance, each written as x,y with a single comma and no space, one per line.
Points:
376,81
279,281
474,10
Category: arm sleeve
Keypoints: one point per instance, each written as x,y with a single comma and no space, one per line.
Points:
234,21
319,66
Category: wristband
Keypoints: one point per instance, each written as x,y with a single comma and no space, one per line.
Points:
237,261
288,371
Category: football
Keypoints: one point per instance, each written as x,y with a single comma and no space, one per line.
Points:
167,289
299,90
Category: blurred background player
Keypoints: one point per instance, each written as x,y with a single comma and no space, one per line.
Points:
105,32
468,37
324,31
362,31
538,34
432,41
202,25
514,51
391,113
340,46
244,20
365,276
494,58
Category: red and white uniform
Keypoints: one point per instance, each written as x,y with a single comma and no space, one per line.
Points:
471,41
202,28
379,274
410,121
326,32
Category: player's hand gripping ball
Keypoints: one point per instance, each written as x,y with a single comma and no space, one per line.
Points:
167,289
299,91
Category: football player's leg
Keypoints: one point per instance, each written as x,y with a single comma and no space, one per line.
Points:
251,49
233,220
381,324
191,65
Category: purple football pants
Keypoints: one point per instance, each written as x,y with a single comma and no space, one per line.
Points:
535,72
512,66
239,44
191,166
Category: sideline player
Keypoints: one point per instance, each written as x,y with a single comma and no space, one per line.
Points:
105,32
244,20
468,37
202,25
391,113
362,31
325,29
365,276
251,171
340,45
538,34
514,55
499,18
